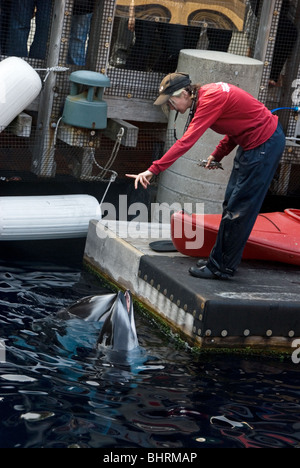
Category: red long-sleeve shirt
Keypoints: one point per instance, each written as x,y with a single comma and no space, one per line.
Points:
227,110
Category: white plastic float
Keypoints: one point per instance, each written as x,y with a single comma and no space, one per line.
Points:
47,217
19,86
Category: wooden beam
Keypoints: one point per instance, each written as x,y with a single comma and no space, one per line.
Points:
21,125
130,136
78,136
43,161
139,110
263,36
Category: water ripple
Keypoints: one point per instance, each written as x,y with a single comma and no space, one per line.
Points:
58,390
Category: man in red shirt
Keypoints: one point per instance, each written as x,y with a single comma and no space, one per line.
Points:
246,123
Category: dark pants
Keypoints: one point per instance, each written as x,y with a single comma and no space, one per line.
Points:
20,24
248,185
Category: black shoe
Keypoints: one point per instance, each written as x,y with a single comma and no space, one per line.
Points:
203,273
201,263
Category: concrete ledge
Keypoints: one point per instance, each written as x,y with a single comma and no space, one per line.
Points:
119,260
259,309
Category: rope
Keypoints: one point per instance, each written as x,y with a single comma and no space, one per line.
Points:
109,163
56,69
112,158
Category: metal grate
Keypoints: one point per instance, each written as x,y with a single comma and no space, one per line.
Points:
98,36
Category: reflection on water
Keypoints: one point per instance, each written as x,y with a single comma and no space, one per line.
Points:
57,390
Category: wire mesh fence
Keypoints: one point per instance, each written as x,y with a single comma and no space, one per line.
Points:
135,43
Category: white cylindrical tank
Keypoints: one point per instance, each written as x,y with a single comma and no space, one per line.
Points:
19,86
47,217
185,182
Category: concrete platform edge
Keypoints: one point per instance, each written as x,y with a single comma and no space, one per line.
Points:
116,260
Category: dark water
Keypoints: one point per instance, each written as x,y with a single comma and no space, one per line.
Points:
57,390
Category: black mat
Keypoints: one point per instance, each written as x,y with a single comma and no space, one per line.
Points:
163,246
263,298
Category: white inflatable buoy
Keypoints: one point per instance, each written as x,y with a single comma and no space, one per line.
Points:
47,217
19,86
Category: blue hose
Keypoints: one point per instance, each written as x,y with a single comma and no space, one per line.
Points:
296,109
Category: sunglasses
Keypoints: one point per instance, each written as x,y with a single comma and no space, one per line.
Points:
172,104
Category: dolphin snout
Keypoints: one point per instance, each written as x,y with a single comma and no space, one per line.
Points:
128,300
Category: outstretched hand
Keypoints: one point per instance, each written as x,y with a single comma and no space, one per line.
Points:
143,178
210,159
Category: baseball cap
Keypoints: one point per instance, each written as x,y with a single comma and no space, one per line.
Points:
170,84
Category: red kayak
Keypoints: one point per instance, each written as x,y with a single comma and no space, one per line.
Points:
275,236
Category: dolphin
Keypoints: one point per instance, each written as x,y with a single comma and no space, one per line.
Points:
90,308
118,332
